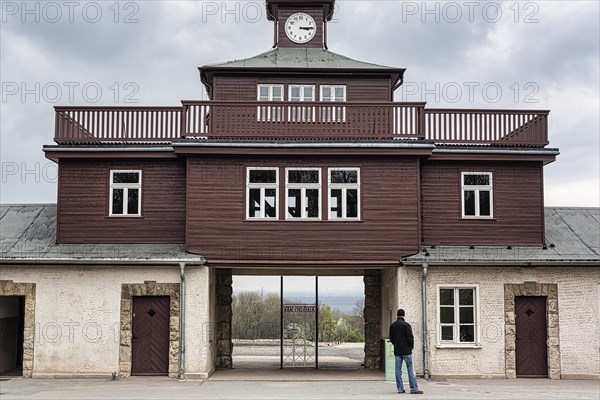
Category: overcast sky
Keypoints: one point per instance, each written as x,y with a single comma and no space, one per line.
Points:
523,55
294,285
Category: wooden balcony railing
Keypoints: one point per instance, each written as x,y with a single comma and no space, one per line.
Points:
516,127
118,124
306,119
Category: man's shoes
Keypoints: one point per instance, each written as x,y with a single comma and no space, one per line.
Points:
417,392
404,391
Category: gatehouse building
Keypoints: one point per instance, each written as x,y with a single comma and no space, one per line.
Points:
299,164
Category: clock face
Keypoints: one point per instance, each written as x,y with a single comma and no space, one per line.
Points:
300,28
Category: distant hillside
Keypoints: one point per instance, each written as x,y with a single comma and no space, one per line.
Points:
345,303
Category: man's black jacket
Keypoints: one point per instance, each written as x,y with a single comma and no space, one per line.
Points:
402,337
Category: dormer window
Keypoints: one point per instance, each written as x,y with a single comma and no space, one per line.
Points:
337,94
301,93
125,193
270,92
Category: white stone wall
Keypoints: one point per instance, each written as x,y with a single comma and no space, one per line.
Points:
408,297
200,327
579,314
77,315
389,298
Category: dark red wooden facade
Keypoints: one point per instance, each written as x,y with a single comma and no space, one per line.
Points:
229,87
217,225
83,202
518,209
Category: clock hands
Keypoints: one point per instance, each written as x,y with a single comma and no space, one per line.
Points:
307,28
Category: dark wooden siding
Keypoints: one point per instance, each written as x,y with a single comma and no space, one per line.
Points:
517,207
83,203
217,225
358,89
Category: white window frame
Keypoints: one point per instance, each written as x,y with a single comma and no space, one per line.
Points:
477,189
125,187
303,187
476,343
297,113
332,114
270,113
262,187
344,187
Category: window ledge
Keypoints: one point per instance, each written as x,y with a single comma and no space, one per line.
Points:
458,346
294,221
478,219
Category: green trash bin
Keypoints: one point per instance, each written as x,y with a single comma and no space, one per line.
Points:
390,363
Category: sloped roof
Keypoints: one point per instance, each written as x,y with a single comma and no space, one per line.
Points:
572,238
298,59
28,235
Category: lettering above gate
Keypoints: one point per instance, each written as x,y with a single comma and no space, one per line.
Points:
299,308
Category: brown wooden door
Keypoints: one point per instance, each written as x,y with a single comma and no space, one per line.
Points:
150,331
531,335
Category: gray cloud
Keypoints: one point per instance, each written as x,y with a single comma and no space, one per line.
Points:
543,55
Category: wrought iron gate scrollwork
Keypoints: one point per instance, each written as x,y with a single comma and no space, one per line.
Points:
299,336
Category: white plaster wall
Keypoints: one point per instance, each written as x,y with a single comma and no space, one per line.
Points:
389,296
77,314
408,297
199,330
578,307
578,317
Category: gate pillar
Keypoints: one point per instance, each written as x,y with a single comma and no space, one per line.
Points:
372,314
223,318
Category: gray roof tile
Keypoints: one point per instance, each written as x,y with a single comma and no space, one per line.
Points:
28,235
299,58
572,238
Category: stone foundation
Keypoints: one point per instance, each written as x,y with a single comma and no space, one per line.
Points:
128,291
548,290
372,315
27,290
224,315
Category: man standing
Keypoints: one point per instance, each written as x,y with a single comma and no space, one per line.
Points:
403,340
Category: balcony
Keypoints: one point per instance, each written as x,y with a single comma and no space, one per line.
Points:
312,120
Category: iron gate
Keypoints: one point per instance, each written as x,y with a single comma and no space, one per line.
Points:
299,331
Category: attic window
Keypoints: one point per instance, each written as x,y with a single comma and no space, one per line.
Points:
270,92
336,94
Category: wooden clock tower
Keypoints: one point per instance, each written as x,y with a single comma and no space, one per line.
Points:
300,23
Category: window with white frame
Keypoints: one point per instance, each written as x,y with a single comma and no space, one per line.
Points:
303,199
344,193
125,193
333,93
261,193
457,315
477,195
301,93
270,92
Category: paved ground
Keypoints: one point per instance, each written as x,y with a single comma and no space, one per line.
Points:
299,386
267,356
351,351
